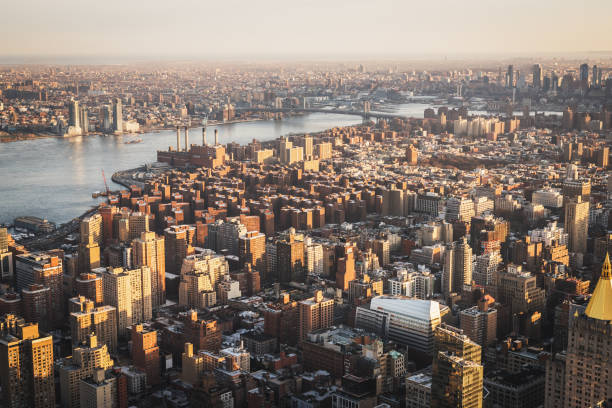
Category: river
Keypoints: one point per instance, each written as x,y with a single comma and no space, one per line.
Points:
54,178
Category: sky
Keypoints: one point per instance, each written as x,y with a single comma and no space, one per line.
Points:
301,28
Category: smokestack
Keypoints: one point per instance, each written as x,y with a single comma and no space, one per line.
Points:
178,138
186,138
216,137
204,136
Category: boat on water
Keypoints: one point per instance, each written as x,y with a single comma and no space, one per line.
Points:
137,140
97,194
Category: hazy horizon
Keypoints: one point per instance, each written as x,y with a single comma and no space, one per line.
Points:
316,29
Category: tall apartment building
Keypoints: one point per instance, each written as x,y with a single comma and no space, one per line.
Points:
315,313
382,249
200,275
252,250
138,223
179,240
224,235
486,265
88,319
37,305
519,290
290,260
6,257
89,256
461,381
457,373
586,371
324,151
91,230
107,213
457,273
412,155
82,364
3,239
346,269
577,224
91,286
26,365
129,291
479,323
314,257
145,353
459,209
117,115
288,153
308,147
271,258
47,270
148,250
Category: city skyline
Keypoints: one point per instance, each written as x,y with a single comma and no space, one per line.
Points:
366,204
317,30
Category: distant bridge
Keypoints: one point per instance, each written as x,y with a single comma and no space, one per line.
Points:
363,114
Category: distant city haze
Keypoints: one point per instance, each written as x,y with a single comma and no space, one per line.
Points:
269,29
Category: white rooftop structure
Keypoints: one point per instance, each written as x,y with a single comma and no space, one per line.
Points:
405,320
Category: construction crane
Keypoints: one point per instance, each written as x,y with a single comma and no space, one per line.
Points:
107,190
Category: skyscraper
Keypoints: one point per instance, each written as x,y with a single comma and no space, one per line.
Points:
88,319
3,240
179,240
91,230
129,291
73,113
44,269
537,76
107,118
346,268
6,257
252,250
26,365
91,286
84,120
37,305
118,115
586,373
584,75
149,251
510,77
457,375
480,322
457,273
577,224
290,259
